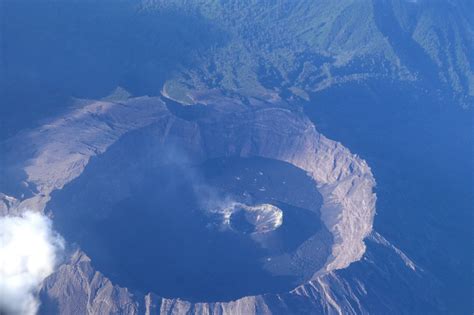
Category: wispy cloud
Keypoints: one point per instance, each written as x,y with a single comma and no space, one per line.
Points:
29,251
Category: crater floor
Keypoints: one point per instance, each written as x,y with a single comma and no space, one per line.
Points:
146,217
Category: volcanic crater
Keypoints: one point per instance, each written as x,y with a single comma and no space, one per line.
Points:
154,218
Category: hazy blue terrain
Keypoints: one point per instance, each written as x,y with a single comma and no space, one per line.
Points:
392,80
420,150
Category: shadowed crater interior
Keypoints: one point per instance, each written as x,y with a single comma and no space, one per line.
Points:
153,221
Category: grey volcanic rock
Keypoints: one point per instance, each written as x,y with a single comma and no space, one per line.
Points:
52,157
47,158
57,153
76,288
238,63
261,218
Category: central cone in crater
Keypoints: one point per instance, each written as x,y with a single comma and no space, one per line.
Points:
139,216
261,218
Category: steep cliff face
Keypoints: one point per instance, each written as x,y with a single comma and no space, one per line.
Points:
238,63
47,158
58,152
76,287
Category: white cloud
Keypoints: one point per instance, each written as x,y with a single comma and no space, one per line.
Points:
29,250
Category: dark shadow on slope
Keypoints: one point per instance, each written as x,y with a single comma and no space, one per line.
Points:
410,52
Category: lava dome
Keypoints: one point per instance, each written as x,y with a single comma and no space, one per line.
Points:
260,218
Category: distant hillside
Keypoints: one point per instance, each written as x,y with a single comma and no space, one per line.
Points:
297,47
54,50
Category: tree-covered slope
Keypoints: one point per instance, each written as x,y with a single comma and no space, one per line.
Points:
298,47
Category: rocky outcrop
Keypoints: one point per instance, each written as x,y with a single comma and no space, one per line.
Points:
344,180
261,218
76,288
47,158
58,152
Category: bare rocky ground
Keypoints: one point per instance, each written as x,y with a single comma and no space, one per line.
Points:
43,160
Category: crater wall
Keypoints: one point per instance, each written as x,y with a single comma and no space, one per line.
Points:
45,159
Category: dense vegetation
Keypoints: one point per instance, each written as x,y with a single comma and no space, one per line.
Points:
298,47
